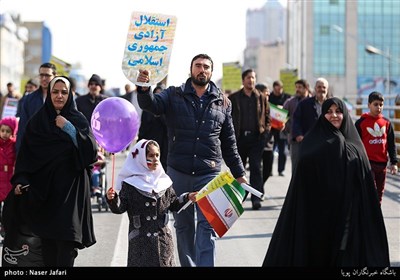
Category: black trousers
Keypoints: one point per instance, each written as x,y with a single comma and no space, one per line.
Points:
267,159
251,147
59,253
281,145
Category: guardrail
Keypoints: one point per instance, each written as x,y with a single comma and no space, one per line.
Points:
391,110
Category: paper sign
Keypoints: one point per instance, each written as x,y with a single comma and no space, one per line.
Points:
10,107
148,46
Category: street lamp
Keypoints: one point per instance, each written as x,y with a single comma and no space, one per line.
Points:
339,29
373,50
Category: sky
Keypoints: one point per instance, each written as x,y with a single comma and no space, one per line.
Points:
93,33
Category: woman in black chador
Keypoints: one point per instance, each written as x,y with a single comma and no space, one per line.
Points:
54,211
331,215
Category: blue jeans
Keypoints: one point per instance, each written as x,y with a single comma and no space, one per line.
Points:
195,242
280,144
96,178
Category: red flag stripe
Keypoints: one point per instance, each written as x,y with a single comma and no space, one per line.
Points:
212,216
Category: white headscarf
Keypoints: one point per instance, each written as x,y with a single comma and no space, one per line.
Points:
56,79
136,173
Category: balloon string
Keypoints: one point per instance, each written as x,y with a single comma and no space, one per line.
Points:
113,170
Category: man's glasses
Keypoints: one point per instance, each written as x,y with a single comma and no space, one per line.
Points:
42,75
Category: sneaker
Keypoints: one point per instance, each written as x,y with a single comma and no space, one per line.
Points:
281,174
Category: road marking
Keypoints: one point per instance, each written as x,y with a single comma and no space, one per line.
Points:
120,256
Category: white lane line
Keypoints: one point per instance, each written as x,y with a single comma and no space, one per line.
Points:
120,256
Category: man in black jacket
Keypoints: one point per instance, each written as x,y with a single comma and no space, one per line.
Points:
251,119
200,135
86,103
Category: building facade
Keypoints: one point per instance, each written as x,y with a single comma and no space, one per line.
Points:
329,38
12,47
38,48
265,50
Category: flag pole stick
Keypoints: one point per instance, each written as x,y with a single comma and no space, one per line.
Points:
187,204
251,190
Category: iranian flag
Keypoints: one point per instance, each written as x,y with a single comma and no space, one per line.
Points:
220,202
278,115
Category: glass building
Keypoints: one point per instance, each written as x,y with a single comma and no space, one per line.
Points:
354,44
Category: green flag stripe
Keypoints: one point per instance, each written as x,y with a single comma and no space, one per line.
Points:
279,109
238,188
233,198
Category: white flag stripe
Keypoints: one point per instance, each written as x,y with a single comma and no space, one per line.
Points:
222,205
278,115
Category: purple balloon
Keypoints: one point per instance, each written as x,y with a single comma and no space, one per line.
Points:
115,123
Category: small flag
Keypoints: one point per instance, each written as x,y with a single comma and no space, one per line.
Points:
278,115
220,202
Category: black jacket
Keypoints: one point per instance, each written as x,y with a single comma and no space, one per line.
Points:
263,117
197,143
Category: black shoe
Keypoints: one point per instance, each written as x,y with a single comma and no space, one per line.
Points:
256,205
281,174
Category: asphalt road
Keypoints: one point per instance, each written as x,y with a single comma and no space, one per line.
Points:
246,243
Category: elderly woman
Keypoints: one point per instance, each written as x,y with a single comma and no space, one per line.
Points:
55,158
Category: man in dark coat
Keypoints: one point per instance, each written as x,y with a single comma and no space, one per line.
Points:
86,103
34,101
200,135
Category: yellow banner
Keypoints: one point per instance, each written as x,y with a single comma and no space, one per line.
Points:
231,76
225,177
289,77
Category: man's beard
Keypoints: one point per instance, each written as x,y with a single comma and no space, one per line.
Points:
200,82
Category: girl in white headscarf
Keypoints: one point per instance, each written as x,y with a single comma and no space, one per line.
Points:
146,194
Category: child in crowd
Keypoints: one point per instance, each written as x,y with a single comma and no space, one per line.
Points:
8,128
377,135
96,171
146,193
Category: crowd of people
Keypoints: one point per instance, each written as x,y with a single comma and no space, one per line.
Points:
49,156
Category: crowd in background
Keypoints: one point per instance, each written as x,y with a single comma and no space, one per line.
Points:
249,143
